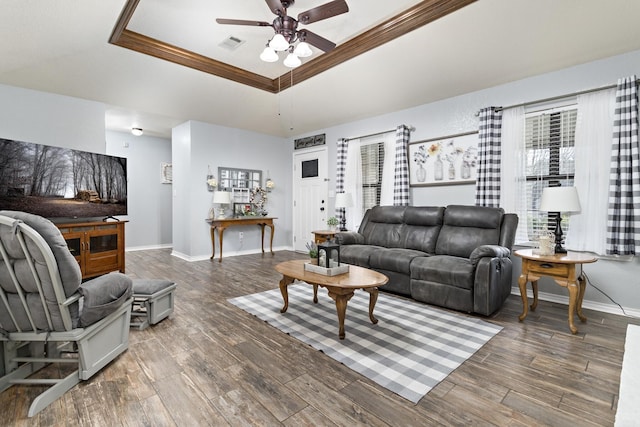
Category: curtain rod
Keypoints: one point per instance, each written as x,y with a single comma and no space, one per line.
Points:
411,129
554,98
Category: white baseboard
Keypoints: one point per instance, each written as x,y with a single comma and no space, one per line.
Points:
145,248
591,305
226,254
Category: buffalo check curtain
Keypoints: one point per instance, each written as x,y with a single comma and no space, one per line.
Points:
623,226
341,166
488,179
401,181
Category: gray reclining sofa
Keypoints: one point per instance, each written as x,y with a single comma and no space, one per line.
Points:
456,257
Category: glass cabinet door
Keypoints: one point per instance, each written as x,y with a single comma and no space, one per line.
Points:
107,242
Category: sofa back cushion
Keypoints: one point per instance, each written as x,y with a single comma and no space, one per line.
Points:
467,227
422,225
384,226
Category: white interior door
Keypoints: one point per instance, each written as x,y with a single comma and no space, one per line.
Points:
310,195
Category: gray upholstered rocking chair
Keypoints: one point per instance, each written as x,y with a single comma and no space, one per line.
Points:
48,316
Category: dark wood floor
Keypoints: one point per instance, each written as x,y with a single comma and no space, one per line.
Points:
212,364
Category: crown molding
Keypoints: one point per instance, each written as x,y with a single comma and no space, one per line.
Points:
415,17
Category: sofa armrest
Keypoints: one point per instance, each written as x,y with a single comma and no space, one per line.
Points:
350,238
492,251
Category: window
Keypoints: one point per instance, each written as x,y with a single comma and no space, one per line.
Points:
372,157
550,161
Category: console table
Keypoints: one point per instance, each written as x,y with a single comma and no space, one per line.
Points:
224,223
562,269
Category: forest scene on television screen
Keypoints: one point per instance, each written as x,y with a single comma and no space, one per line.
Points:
61,182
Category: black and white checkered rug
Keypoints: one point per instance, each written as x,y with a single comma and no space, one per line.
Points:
412,348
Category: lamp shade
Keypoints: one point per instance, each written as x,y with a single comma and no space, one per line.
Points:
303,50
222,197
344,200
560,199
269,55
279,43
292,61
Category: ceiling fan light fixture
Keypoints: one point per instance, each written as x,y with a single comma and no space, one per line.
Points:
269,55
279,43
303,50
292,61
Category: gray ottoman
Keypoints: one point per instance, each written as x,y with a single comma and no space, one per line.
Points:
152,301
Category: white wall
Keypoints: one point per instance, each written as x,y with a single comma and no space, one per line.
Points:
45,118
457,115
197,146
148,200
62,121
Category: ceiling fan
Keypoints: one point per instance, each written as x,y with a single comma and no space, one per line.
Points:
287,32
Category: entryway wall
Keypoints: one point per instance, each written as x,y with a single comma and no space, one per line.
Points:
198,146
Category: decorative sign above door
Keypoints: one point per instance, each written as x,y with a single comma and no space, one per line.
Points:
309,141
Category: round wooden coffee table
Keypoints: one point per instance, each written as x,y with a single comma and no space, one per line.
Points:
340,287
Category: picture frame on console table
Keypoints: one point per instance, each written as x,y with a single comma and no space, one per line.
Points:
240,209
447,160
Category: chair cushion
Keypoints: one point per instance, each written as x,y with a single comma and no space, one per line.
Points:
395,259
68,266
444,269
357,254
103,295
467,227
148,287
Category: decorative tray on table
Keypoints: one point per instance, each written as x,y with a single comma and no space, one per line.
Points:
333,270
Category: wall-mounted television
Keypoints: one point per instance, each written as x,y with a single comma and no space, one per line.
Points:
56,182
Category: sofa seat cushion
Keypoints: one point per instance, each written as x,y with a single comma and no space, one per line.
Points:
357,254
444,269
394,259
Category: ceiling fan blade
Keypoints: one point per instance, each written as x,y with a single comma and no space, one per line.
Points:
243,22
276,7
315,40
327,10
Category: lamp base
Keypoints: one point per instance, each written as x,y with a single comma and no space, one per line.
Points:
558,233
343,224
560,250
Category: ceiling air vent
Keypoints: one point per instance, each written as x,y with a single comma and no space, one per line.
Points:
231,43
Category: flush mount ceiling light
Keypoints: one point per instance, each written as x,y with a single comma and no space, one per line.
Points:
287,33
136,131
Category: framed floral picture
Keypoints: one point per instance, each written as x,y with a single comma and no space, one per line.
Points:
444,161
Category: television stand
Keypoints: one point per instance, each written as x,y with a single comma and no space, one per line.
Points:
98,246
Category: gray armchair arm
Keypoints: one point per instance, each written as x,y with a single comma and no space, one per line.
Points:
350,238
492,251
103,295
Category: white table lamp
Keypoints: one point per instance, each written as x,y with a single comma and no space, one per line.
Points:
560,199
221,198
343,200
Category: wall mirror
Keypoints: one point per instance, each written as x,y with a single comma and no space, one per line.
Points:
235,178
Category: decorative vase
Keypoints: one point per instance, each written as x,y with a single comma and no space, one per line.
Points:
466,170
421,173
438,173
452,171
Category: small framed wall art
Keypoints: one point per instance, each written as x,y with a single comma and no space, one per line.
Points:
444,161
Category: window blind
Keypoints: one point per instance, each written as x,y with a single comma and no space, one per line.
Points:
372,157
550,161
